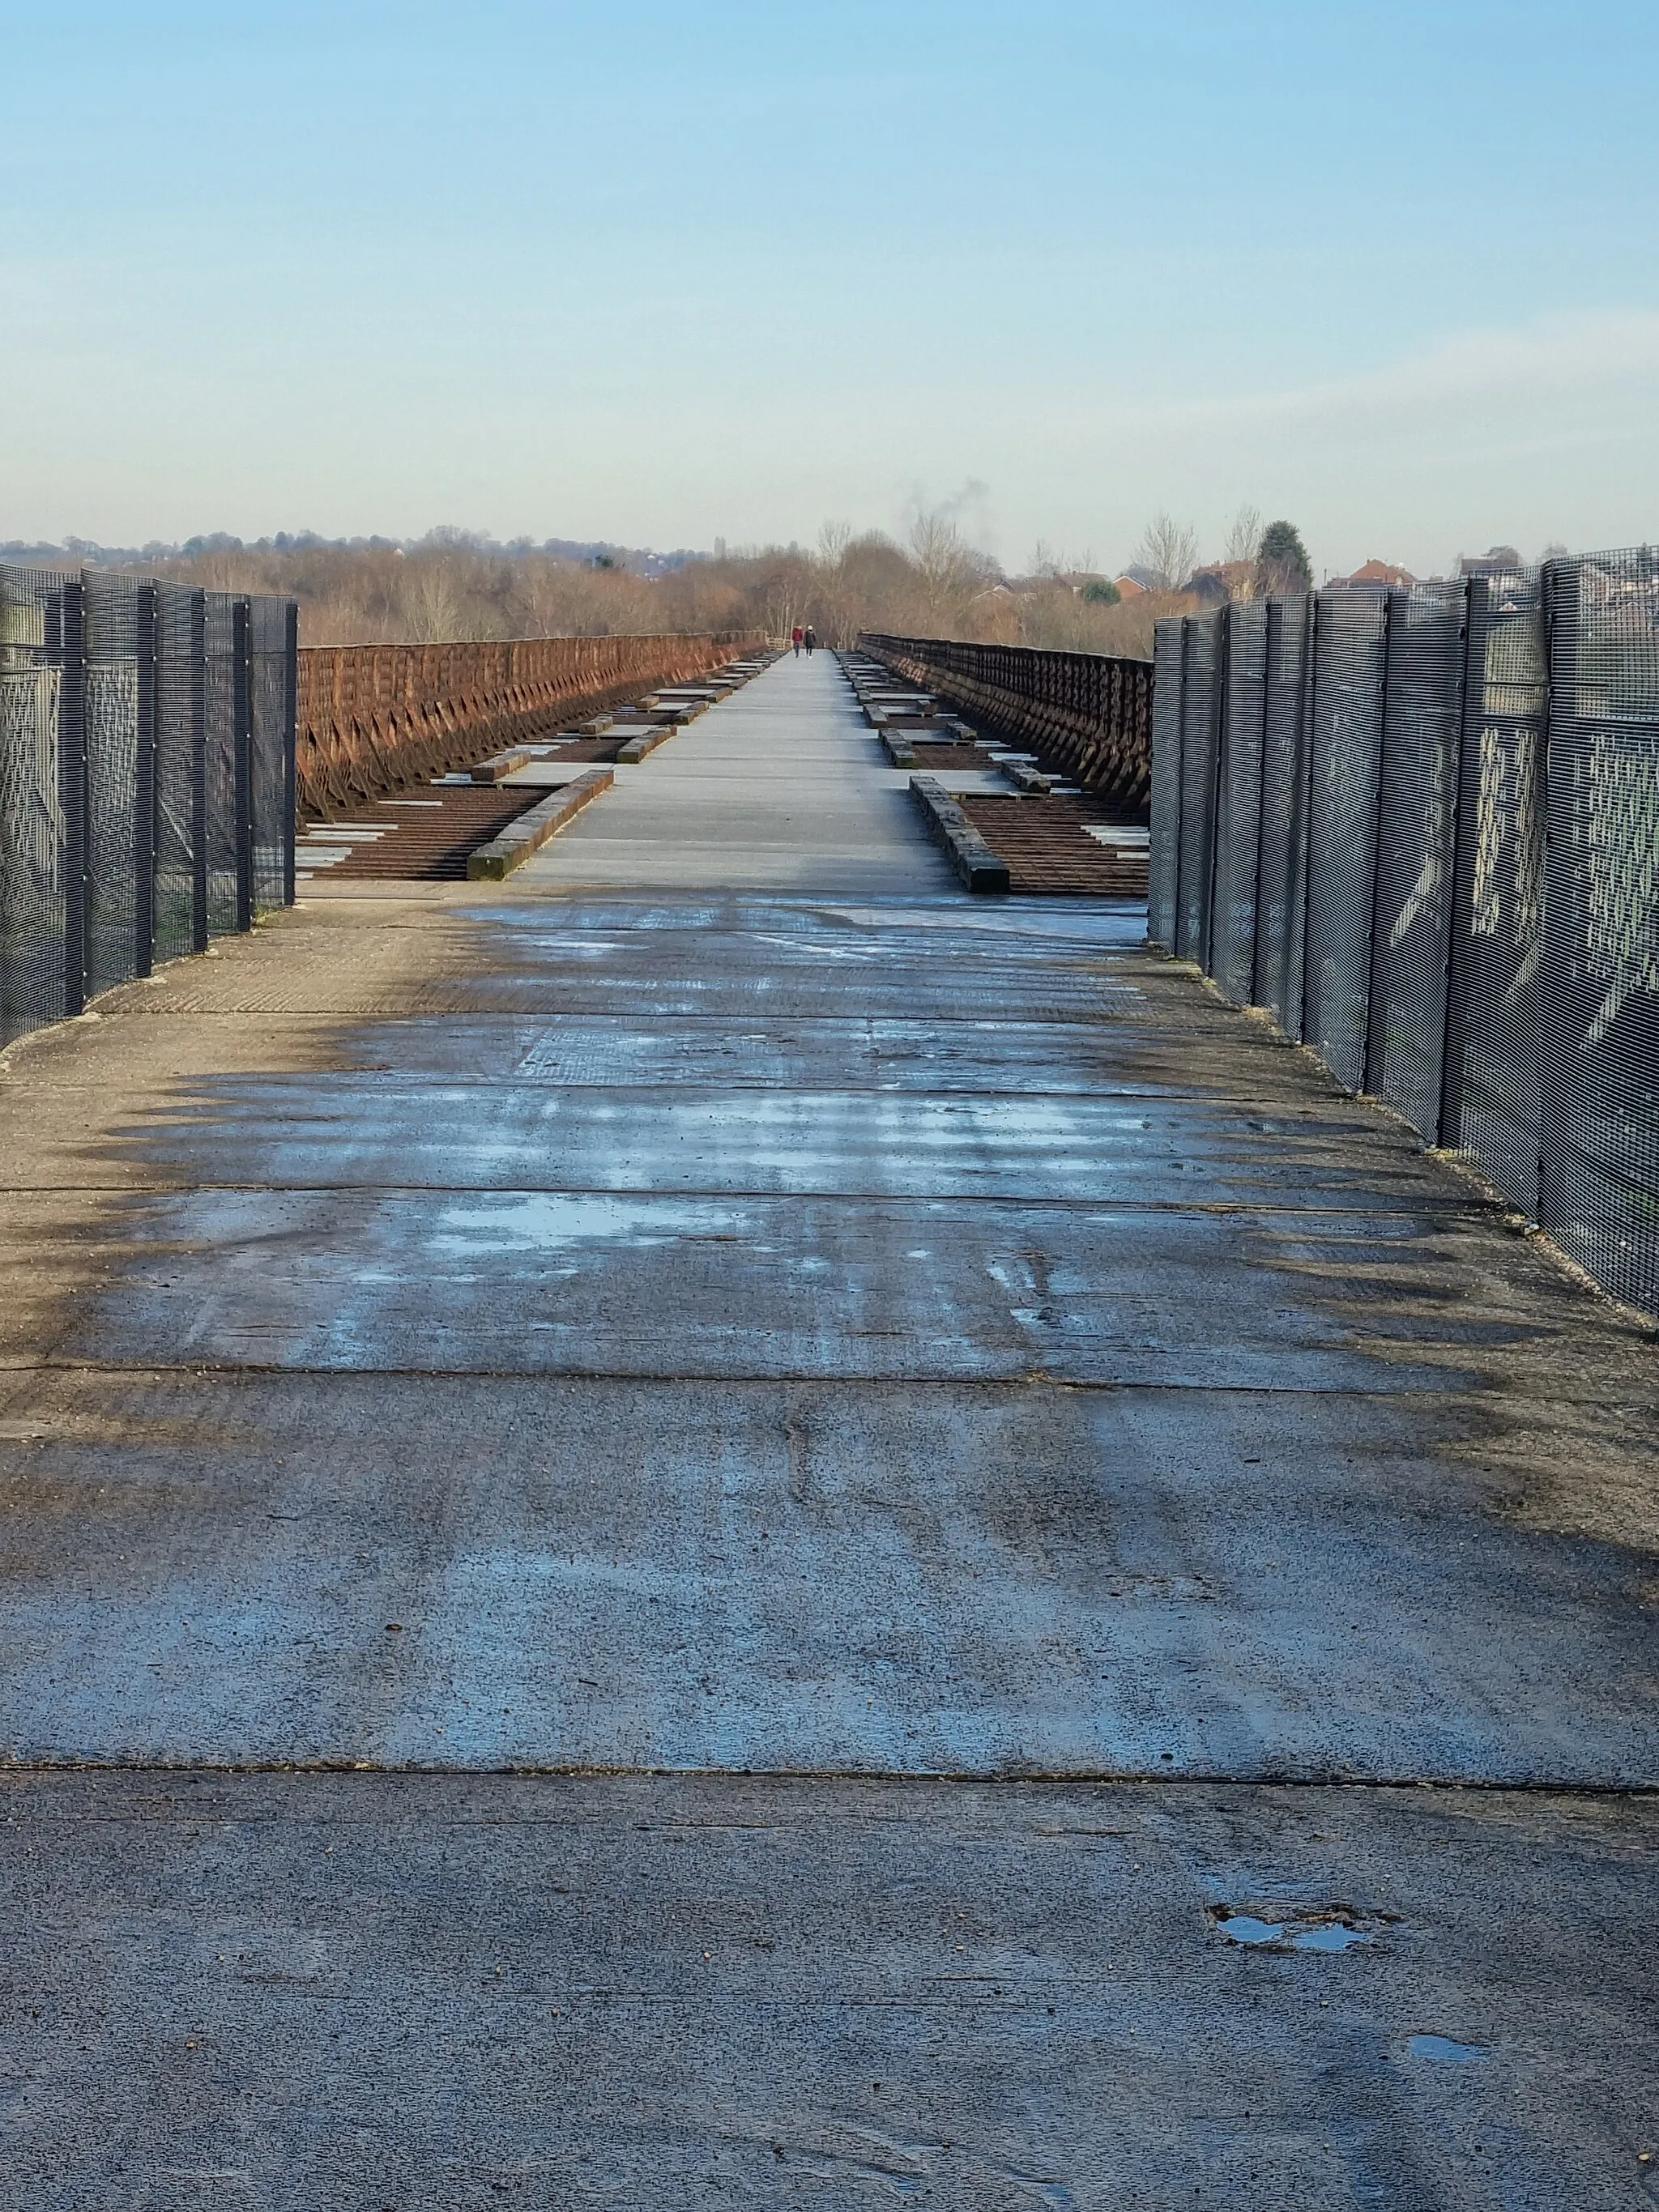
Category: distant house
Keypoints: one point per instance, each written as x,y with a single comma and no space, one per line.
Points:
1221,580
1375,576
1502,561
1208,585
1128,588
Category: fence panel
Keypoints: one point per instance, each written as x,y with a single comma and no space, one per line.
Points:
1200,719
1490,1109
31,915
1350,659
1417,815
112,840
181,795
1599,1149
1282,892
272,643
220,761
1163,865
1238,820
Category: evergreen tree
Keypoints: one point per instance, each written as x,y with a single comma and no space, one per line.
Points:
1284,560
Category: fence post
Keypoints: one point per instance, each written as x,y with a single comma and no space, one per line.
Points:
1305,787
1562,636
71,642
198,824
242,772
1270,632
145,825
1223,732
1375,1030
290,741
1180,787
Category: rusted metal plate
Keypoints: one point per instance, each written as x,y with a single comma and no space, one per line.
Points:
1046,845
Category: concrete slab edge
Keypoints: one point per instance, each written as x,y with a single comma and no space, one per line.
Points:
967,851
531,830
635,750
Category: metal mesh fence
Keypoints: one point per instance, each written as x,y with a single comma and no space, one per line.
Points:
1238,819
1455,796
273,652
1416,814
32,828
1281,899
219,676
1599,972
1491,1104
146,779
180,854
1164,862
112,781
1201,673
1346,757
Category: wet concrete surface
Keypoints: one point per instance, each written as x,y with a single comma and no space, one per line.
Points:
799,1577
785,1351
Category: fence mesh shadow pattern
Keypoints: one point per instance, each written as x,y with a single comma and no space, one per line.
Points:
1421,828
146,779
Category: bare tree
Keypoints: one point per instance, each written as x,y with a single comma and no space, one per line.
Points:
1053,564
458,586
835,605
431,604
949,574
1243,541
1168,552
1241,556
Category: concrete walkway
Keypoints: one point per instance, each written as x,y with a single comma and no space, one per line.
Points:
779,788
723,1527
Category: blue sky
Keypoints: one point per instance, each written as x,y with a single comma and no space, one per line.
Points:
664,273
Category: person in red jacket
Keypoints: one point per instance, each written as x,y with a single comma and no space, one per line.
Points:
798,635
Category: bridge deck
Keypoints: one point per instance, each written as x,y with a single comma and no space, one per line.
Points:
694,1524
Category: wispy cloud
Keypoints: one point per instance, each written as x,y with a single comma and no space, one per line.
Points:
1549,362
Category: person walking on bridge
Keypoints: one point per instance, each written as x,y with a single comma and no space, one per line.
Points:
796,636
811,641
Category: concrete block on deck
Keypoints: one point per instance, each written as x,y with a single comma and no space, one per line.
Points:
967,851
1024,777
500,764
528,832
647,742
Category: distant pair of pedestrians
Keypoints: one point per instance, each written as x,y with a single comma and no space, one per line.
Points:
799,637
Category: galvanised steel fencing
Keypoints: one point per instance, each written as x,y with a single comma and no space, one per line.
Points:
1421,828
146,778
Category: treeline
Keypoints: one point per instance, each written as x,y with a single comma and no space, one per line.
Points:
936,584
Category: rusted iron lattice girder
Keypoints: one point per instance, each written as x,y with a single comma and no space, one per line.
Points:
1091,715
374,719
